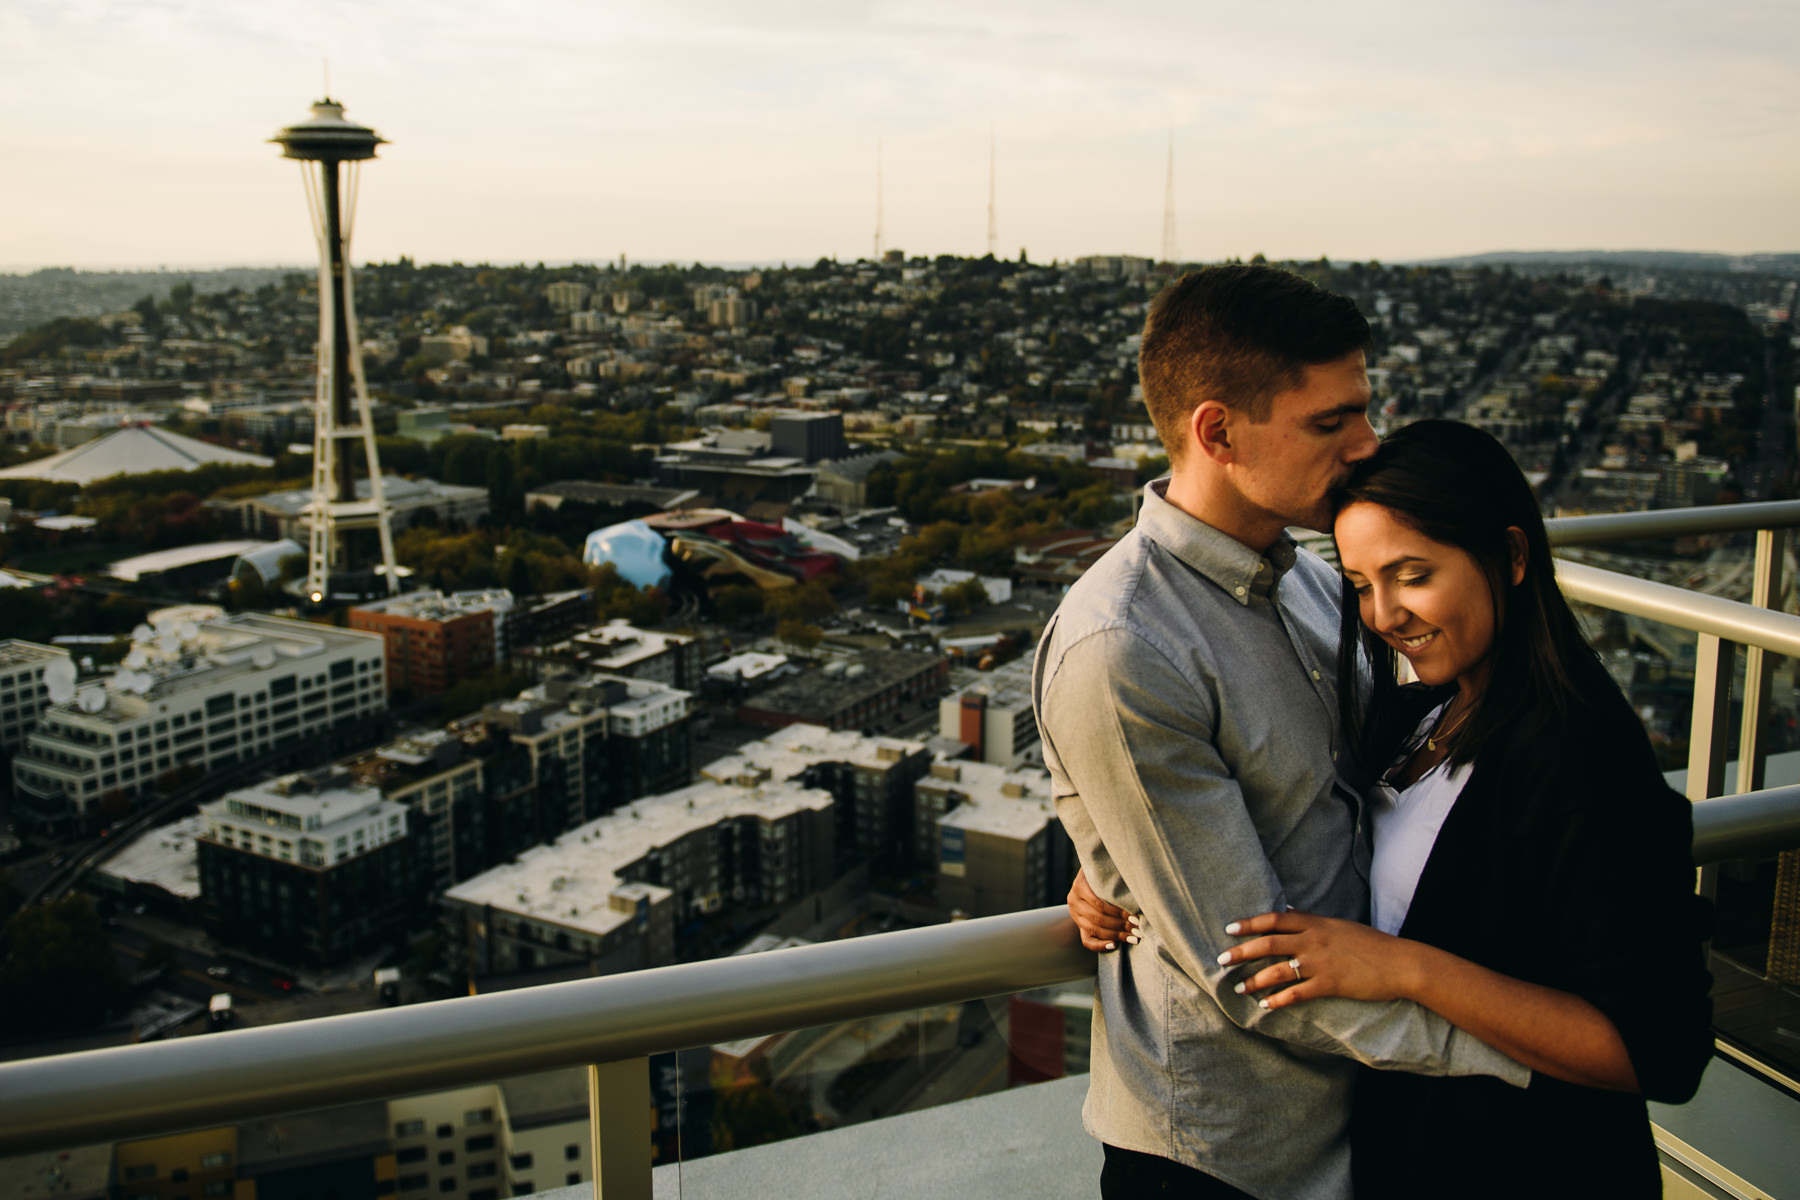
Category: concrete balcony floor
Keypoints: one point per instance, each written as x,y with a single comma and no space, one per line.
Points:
1026,1142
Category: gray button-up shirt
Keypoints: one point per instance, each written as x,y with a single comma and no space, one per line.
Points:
1186,693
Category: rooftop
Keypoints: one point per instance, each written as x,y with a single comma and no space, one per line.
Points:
163,857
790,751
138,566
14,652
571,882
1012,804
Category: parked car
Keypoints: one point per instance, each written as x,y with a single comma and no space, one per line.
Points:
282,982
219,971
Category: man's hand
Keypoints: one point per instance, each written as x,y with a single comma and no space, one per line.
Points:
1103,926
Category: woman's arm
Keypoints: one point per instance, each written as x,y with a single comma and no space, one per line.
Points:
1103,926
1553,1032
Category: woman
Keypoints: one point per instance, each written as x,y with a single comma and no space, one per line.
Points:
1531,880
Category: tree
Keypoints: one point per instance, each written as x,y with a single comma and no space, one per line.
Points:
62,976
798,633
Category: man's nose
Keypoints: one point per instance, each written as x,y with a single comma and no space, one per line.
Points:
1364,441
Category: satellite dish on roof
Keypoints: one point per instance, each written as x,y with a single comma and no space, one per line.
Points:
142,633
167,643
59,680
187,631
263,655
136,659
92,699
142,683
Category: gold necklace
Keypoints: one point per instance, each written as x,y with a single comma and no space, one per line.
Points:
1437,735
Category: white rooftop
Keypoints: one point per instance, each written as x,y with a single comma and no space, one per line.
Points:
748,665
1012,804
134,450
164,857
571,881
136,567
789,751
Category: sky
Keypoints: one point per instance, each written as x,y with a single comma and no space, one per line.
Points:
751,131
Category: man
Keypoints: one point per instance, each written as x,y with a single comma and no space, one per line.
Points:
1186,694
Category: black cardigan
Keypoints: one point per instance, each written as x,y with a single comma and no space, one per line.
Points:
1566,861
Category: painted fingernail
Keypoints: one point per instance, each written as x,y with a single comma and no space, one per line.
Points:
1238,988
1110,946
1225,959
1132,939
1262,1004
1233,927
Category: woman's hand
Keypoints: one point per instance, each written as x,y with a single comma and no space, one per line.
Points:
1336,958
1103,926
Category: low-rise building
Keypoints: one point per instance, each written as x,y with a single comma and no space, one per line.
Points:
203,690
620,648
283,514
864,693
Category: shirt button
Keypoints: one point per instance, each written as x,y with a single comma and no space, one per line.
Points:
1259,567
1240,589
1315,674
1334,756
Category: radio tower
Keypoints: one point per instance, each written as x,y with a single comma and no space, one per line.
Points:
341,421
993,227
1169,253
877,197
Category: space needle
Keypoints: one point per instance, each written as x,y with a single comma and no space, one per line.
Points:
342,421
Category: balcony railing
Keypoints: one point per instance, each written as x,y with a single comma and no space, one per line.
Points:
615,1022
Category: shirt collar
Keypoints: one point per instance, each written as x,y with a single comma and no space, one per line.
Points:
1240,571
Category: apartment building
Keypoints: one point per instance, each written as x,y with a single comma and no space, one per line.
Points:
311,867
597,741
469,792
199,689
620,648
434,642
609,893
993,716
998,843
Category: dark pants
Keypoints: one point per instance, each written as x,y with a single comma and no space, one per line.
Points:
1129,1174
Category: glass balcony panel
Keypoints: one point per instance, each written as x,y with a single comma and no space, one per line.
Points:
1755,951
758,1091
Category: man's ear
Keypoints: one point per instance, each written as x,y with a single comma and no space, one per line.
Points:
1211,426
1515,547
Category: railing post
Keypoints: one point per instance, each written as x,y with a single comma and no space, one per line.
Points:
1708,735
1759,667
619,1128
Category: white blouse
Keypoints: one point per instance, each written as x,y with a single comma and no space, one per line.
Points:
1405,828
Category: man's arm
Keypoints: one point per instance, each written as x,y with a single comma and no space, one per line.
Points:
1136,742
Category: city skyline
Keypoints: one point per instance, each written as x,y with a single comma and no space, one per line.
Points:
696,131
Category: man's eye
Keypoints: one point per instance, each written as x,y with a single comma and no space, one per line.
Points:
1413,580
1330,426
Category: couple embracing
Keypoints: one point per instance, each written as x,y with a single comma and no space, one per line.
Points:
1427,940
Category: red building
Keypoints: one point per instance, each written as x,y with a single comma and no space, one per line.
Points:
433,644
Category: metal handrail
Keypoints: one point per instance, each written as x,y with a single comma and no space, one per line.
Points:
1743,624
1746,825
1673,522
227,1078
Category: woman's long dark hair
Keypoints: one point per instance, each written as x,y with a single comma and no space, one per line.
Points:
1457,485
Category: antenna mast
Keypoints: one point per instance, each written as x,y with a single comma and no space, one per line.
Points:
993,227
877,197
1169,253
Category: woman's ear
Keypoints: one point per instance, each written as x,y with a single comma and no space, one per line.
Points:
1515,545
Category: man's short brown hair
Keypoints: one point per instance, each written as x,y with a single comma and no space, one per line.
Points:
1240,335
